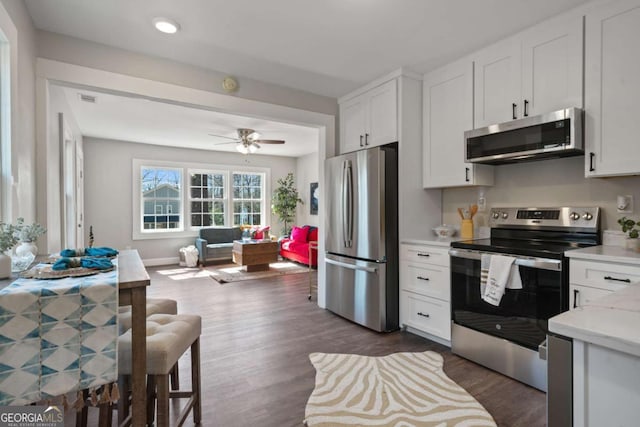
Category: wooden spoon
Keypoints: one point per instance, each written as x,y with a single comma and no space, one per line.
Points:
460,212
474,210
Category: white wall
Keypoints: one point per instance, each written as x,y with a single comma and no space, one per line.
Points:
557,182
109,190
20,171
94,55
306,173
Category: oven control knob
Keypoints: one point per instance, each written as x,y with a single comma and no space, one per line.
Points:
505,215
574,216
496,215
587,216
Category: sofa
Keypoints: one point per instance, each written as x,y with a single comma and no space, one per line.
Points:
296,246
216,243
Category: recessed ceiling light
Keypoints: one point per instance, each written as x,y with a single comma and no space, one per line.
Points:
166,25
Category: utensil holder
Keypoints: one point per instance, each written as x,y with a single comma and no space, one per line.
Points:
466,230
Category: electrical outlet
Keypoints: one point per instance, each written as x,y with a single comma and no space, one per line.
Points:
624,204
482,204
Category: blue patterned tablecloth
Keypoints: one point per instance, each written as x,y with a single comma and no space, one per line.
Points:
57,336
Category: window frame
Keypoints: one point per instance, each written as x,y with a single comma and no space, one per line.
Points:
164,201
225,199
262,199
187,167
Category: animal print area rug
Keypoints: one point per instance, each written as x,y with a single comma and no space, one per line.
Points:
401,389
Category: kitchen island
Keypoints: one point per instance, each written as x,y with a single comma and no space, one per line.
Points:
606,343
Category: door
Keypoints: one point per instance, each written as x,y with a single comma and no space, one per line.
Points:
552,58
79,185
447,114
612,89
72,188
355,184
352,124
382,120
497,83
356,291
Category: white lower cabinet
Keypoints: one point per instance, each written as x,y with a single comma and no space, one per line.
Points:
591,279
425,290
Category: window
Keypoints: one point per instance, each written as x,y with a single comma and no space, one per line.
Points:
248,201
161,198
177,199
207,198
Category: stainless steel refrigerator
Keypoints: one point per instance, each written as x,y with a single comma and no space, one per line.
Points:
362,237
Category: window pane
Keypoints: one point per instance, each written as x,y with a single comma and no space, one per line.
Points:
196,193
195,220
196,179
206,220
161,190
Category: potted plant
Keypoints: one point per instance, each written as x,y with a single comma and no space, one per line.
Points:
285,200
632,228
27,235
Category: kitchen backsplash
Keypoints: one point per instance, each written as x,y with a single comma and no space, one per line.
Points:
557,182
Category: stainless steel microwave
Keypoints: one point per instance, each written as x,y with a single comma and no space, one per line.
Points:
556,134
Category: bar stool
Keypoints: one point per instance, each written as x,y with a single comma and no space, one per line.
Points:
154,306
168,338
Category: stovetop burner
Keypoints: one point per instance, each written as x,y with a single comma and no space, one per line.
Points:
538,232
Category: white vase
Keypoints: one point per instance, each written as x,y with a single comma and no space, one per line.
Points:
26,247
5,266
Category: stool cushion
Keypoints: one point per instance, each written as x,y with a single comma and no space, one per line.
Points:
154,306
168,337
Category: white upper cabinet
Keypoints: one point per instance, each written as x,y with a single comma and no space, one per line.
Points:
535,72
612,89
552,63
497,83
369,119
447,114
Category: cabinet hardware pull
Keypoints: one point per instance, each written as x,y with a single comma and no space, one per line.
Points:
617,280
421,254
526,110
466,174
422,278
591,156
361,145
423,314
366,139
513,110
575,298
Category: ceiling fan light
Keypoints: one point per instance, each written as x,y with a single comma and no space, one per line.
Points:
253,148
253,136
241,148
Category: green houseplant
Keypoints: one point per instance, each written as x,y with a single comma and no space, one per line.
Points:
285,200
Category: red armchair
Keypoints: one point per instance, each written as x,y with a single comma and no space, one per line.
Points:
296,247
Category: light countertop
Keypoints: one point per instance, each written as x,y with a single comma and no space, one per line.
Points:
433,242
605,253
611,321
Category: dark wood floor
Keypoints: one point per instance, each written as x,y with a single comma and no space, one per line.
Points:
256,340
257,336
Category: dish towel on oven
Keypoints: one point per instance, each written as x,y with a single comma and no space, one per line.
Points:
497,273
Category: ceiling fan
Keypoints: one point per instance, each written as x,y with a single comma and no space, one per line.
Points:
248,140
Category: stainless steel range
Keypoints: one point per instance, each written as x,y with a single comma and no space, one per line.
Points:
510,337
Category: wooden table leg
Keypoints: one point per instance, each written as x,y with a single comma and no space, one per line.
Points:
138,356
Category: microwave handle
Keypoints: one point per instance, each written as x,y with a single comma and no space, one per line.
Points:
542,263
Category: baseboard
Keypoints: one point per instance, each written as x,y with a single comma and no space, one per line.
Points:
150,262
427,336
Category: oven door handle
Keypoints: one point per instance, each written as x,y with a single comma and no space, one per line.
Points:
542,263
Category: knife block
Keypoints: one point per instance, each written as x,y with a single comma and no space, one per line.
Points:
466,230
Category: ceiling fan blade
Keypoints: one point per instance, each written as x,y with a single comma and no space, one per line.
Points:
222,136
269,141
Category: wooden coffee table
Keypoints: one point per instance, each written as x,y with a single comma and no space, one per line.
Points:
255,254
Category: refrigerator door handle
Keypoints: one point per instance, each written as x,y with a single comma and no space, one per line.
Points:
347,203
351,266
